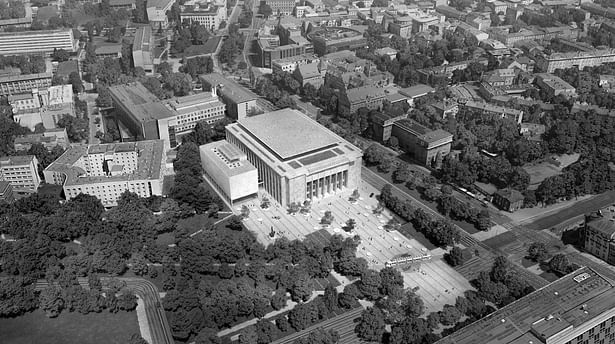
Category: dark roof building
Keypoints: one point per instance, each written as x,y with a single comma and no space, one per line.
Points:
508,199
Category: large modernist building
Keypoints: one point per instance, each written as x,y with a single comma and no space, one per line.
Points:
149,118
239,100
21,172
107,170
296,158
578,308
228,168
37,42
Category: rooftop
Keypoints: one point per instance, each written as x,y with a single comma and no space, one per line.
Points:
309,70
560,308
423,133
227,157
143,105
149,162
364,92
18,160
511,195
229,88
288,133
416,91
603,221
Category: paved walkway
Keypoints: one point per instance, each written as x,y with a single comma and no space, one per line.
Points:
142,319
377,245
289,306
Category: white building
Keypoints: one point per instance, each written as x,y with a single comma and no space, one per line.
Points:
157,13
207,13
107,170
229,170
21,172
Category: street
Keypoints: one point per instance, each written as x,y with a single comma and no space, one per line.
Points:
93,113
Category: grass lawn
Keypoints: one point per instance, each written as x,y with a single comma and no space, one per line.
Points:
500,240
69,328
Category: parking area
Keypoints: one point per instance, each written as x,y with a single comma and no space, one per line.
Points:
377,245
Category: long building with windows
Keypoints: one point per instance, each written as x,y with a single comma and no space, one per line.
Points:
297,159
578,59
21,172
37,42
149,118
23,83
142,50
578,308
107,170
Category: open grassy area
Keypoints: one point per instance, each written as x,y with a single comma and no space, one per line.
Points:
500,240
548,168
69,328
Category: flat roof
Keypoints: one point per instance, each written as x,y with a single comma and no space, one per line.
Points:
17,160
288,133
141,103
422,132
558,308
416,90
149,162
230,159
230,89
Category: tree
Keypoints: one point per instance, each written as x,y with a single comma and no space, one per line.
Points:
350,224
391,281
403,173
455,256
370,284
537,252
60,55
136,338
265,10
500,268
449,315
76,128
127,301
327,219
248,336
413,304
371,325
51,302
75,80
559,263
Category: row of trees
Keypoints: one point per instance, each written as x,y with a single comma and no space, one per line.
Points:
26,64
440,232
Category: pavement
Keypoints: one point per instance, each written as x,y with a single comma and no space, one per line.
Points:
377,245
90,99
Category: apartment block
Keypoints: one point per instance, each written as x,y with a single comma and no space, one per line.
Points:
21,172
107,170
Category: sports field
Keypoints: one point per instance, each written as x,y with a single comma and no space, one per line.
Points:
551,167
69,328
